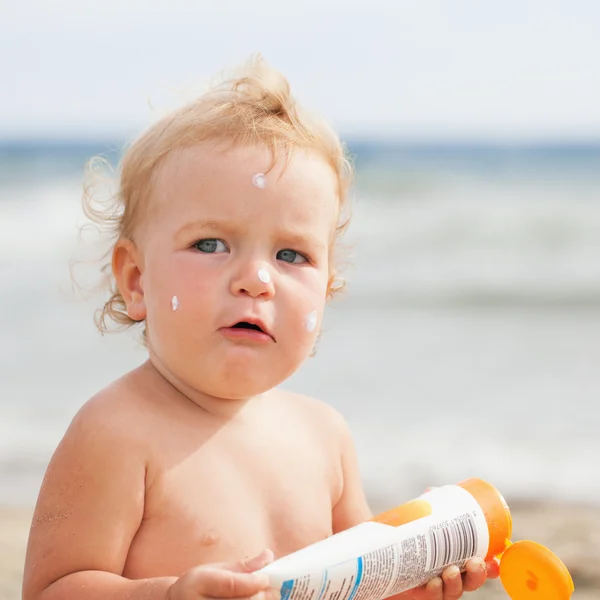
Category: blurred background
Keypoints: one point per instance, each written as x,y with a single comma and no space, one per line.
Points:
467,343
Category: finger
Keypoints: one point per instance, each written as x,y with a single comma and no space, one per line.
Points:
434,589
269,594
222,583
475,574
453,584
248,565
493,569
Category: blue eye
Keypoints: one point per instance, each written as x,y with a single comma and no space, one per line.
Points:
210,246
291,256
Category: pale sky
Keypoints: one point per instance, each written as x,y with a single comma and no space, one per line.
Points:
415,68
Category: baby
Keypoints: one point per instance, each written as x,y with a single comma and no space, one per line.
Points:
187,475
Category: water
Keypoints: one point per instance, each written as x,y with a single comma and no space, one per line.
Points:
466,345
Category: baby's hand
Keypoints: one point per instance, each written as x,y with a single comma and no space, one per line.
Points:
236,580
451,585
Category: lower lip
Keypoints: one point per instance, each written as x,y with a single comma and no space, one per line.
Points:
237,333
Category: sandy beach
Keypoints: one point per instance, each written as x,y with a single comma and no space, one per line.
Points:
573,532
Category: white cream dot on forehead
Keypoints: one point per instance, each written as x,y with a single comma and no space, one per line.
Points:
259,180
175,302
310,321
264,275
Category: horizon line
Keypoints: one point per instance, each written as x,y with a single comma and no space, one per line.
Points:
397,141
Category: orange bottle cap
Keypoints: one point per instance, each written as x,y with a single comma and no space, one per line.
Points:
529,571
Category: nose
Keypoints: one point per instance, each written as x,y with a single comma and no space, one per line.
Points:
253,279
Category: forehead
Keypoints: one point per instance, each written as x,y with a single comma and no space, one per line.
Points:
209,181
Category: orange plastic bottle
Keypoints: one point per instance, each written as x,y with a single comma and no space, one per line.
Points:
528,571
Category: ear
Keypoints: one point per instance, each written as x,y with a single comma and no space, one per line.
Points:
126,266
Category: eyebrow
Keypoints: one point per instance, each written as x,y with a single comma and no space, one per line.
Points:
298,239
188,228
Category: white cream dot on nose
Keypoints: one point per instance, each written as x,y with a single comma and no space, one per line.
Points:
175,302
264,275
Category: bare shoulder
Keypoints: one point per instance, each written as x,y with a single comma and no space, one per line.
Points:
111,414
91,500
105,437
322,422
318,413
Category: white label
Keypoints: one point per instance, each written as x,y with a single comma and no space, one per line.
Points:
373,561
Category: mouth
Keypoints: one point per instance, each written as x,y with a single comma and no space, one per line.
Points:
252,330
247,325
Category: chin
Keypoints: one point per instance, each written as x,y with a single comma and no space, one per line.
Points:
240,386
242,381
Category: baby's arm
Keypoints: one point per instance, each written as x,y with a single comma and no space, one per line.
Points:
352,507
90,506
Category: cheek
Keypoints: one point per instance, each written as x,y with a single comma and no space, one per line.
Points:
179,285
310,303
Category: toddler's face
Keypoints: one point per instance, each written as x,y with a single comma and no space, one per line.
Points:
247,259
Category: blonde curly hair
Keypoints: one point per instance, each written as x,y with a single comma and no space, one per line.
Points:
253,107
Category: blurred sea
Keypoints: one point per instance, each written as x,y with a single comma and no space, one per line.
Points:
467,343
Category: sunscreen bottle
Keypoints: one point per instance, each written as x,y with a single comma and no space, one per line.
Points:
407,546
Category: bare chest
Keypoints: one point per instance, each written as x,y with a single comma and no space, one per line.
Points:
223,503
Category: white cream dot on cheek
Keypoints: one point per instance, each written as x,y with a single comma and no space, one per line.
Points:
175,302
310,321
264,275
259,180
